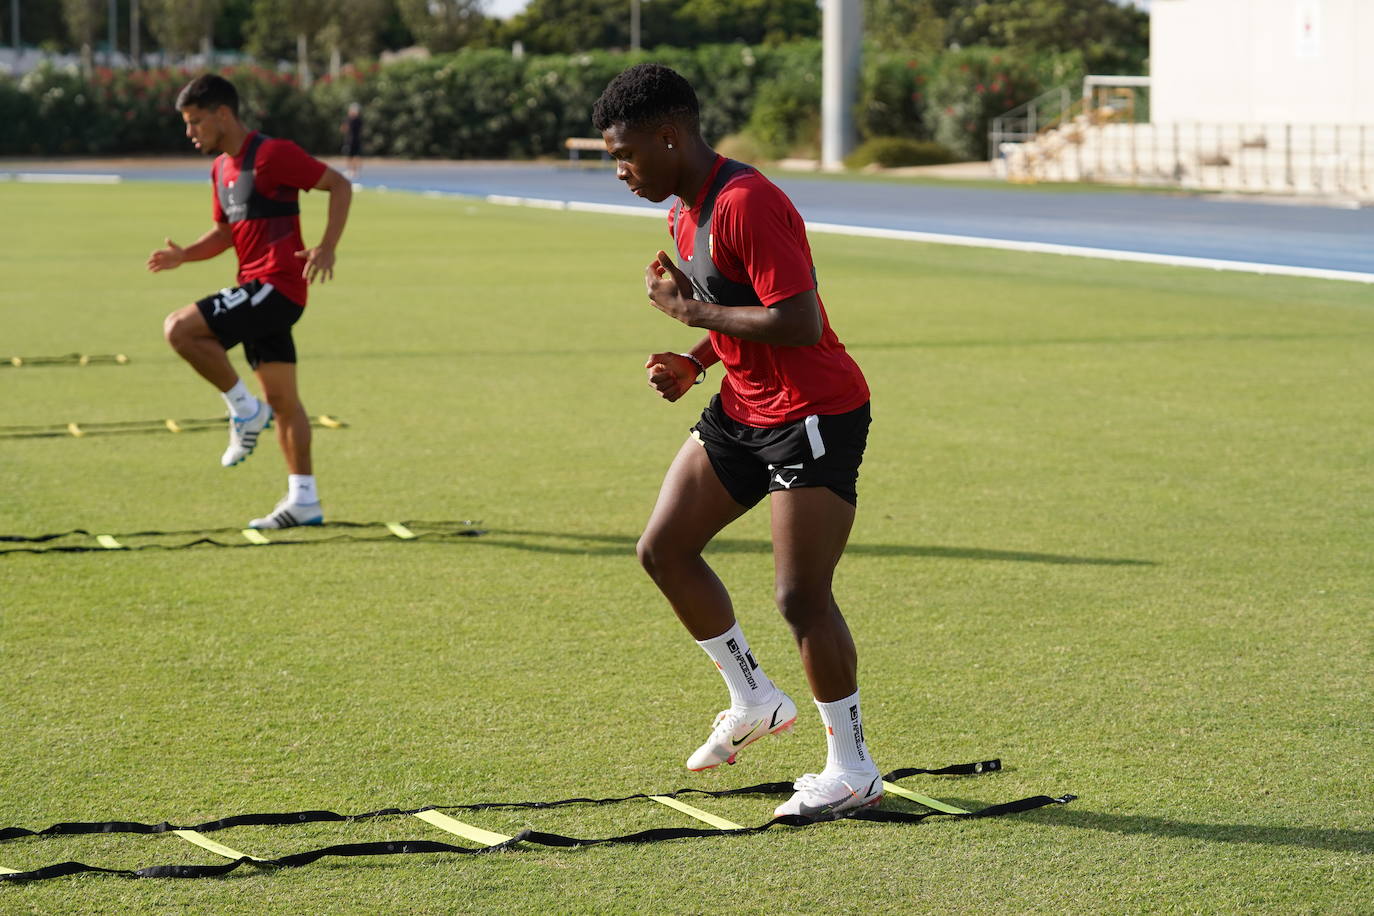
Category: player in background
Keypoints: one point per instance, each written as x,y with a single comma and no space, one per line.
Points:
256,181
791,420
352,130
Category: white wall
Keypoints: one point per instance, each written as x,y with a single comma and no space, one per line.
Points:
1277,61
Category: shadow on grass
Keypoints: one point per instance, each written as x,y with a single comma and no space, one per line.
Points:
619,544
1326,838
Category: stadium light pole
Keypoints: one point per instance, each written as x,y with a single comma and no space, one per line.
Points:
133,35
113,28
841,43
634,25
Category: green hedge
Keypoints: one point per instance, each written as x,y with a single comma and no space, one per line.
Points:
487,104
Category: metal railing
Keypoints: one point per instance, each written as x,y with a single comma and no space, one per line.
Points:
1323,159
1025,122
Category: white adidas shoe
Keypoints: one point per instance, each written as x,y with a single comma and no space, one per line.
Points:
827,794
243,435
736,729
290,515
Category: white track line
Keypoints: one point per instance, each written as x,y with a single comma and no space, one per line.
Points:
65,178
971,241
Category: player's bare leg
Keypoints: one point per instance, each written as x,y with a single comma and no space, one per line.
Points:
278,382
192,339
810,530
301,506
693,506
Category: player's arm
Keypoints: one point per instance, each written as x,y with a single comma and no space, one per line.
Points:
207,246
793,322
319,261
671,374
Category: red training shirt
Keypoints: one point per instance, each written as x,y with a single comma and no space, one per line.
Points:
759,238
267,248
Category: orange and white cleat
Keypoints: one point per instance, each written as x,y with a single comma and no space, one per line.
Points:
826,794
736,729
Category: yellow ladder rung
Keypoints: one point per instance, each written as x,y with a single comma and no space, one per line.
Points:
466,831
921,799
697,813
219,849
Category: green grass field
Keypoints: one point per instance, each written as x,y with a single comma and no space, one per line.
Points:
1115,528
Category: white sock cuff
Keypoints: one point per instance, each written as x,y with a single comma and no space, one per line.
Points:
844,734
300,488
744,677
240,400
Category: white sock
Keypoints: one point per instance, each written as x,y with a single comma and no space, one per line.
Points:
844,736
745,680
241,402
300,489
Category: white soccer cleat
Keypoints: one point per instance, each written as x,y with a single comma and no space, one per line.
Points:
291,515
243,435
825,795
736,729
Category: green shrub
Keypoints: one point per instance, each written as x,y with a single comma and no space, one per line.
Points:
898,152
969,88
892,87
489,104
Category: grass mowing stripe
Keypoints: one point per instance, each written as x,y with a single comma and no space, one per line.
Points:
466,831
697,813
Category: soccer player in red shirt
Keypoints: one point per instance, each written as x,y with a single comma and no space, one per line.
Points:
791,421
256,182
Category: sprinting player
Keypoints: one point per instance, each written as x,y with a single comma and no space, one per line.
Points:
791,420
256,181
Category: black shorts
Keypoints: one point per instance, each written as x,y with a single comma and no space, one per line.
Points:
257,316
816,451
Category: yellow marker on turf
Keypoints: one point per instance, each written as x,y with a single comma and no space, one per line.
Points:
254,536
697,813
121,358
75,430
108,542
327,420
16,361
219,849
921,799
8,871
466,831
84,360
401,531
172,425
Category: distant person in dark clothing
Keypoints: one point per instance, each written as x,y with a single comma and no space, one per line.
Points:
352,130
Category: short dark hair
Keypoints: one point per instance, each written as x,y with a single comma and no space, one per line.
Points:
209,90
645,95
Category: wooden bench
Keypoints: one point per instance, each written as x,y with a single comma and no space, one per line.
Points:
578,145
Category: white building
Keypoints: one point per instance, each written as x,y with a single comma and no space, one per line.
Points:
1262,61
1273,96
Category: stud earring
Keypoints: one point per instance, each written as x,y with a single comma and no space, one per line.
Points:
670,146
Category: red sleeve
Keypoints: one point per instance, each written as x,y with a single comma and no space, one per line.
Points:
761,236
281,163
216,209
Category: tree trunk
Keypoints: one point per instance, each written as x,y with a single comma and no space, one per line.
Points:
302,61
